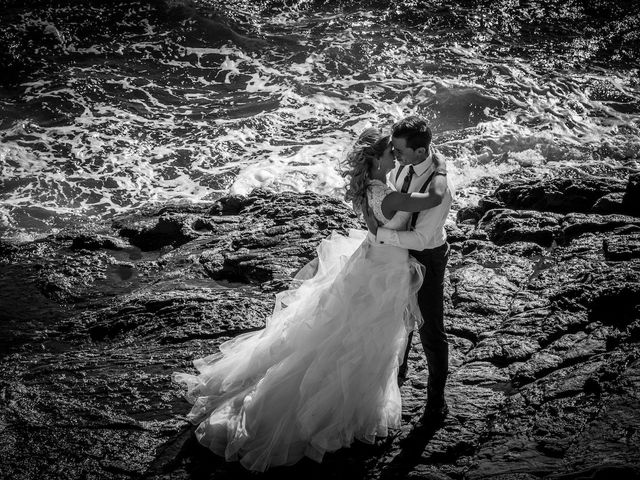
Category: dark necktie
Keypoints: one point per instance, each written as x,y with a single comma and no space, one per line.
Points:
407,180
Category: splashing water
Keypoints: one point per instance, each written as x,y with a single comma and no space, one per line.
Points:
160,116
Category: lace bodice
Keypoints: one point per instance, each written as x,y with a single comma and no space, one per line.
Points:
376,192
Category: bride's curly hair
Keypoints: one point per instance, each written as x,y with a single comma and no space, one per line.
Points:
356,167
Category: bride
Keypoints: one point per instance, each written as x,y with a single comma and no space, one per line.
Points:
323,371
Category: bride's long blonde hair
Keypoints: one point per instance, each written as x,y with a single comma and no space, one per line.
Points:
357,165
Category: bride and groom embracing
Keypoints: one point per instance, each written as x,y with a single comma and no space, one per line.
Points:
327,367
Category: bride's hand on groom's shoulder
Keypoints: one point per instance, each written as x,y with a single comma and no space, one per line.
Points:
438,159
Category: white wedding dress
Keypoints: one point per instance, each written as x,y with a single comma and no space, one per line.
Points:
323,371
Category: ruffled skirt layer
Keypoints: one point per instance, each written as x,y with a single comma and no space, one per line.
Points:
323,371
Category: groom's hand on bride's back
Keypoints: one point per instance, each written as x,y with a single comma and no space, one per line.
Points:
369,218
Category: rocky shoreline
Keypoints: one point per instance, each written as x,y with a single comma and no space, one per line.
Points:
543,314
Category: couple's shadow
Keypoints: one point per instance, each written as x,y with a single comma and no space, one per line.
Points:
389,458
408,452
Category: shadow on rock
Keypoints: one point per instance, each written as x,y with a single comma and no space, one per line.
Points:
412,448
184,457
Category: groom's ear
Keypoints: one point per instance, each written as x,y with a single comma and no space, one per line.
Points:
422,151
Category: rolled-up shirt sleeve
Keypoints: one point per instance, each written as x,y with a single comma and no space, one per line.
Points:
411,240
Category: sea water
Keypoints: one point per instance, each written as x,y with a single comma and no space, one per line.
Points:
160,109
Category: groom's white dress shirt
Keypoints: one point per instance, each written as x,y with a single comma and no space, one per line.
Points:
429,231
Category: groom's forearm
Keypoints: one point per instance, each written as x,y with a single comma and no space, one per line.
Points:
413,240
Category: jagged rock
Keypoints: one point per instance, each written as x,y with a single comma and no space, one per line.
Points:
489,203
524,249
471,214
561,195
97,242
175,316
622,247
631,199
273,242
576,224
457,233
154,233
569,349
611,203
470,246
552,426
507,226
6,249
70,278
503,226
232,204
53,34
611,296
542,320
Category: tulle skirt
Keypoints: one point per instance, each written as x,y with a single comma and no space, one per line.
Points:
323,371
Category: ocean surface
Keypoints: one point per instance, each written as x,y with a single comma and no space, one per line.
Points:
109,106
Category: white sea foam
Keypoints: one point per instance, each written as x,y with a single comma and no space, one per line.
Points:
216,120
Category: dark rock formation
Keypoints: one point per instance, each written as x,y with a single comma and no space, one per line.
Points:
542,310
631,198
586,194
561,195
622,247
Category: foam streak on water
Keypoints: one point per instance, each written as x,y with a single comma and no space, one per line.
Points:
112,132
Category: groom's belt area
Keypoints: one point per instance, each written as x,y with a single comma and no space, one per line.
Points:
430,251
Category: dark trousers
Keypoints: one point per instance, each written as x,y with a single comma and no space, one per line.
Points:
432,333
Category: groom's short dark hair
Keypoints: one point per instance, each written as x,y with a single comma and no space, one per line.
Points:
414,130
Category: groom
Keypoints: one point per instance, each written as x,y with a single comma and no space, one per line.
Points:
426,240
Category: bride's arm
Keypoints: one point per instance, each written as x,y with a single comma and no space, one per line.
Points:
416,239
416,202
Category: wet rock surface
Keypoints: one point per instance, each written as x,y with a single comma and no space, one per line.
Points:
542,311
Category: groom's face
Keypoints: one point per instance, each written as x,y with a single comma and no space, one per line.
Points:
404,155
